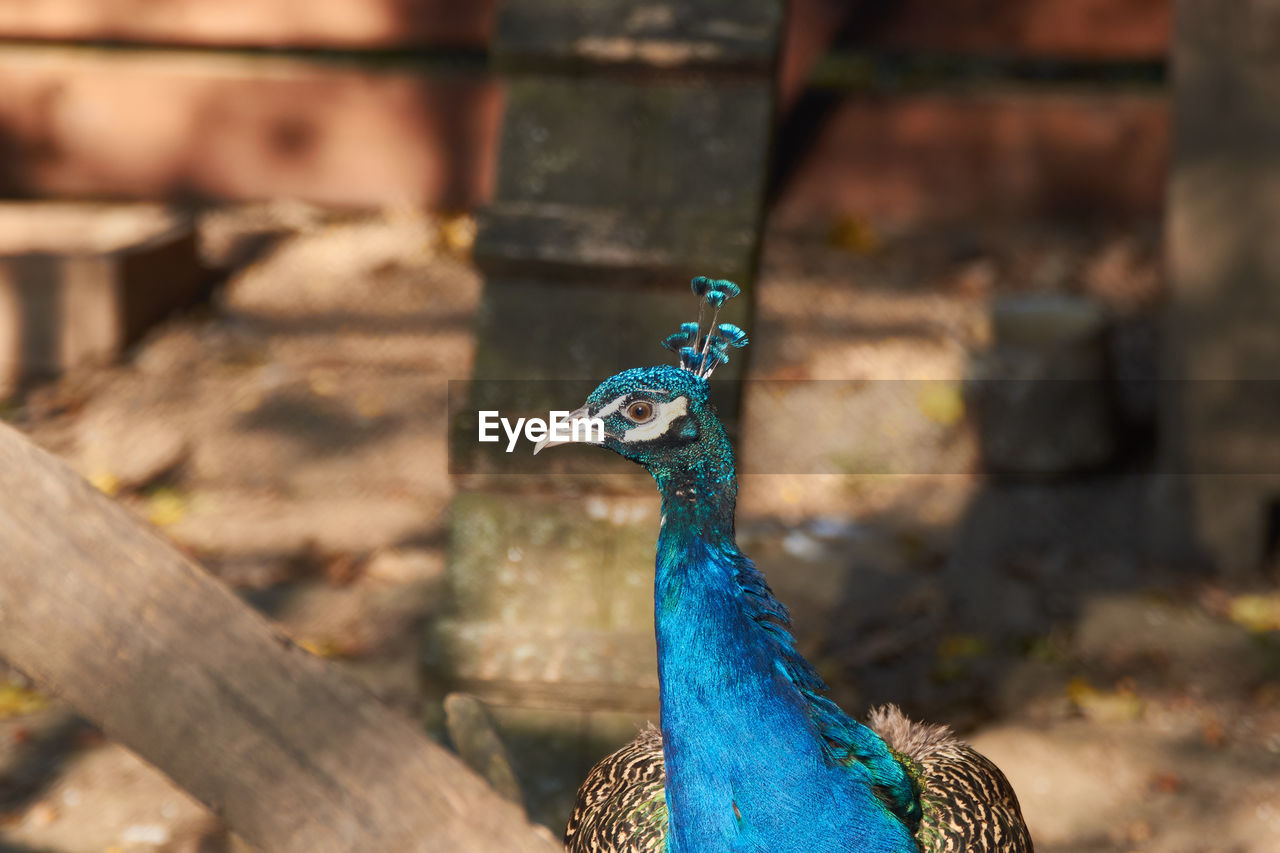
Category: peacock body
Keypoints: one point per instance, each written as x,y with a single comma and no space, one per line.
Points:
751,755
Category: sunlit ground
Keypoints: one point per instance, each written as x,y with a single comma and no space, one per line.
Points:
292,438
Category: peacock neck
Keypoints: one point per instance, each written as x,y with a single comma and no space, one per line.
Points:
700,489
744,754
718,689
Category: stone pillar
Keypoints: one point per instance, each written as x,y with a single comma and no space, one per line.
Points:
633,157
1223,234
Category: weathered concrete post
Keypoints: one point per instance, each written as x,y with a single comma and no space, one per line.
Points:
633,157
1224,259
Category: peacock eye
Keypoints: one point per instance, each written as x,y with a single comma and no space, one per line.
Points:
640,412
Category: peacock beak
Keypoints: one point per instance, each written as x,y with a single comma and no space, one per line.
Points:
565,431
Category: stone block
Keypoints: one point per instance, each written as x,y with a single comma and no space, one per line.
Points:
1040,398
476,740
550,602
80,283
625,175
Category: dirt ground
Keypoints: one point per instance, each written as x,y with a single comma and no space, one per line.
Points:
292,437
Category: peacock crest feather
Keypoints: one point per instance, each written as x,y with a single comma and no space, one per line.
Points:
701,354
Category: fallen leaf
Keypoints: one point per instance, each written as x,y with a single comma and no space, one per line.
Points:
1108,706
166,506
856,235
18,701
1166,782
1257,613
320,647
458,233
105,482
941,402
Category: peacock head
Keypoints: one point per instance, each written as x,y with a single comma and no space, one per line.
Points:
662,417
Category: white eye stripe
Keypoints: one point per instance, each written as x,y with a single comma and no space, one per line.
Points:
612,407
663,417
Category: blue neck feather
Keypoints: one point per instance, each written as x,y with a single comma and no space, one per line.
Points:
756,758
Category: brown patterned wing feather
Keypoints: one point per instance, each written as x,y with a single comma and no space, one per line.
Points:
969,806
622,806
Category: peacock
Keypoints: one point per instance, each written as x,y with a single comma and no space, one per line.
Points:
751,755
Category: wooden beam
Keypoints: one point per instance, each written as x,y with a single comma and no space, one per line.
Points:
941,157
126,124
1082,29
1078,28
342,24
294,754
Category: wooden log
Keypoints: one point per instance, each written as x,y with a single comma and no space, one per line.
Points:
1039,397
293,754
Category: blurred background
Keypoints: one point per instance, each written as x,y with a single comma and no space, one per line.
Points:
1006,426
